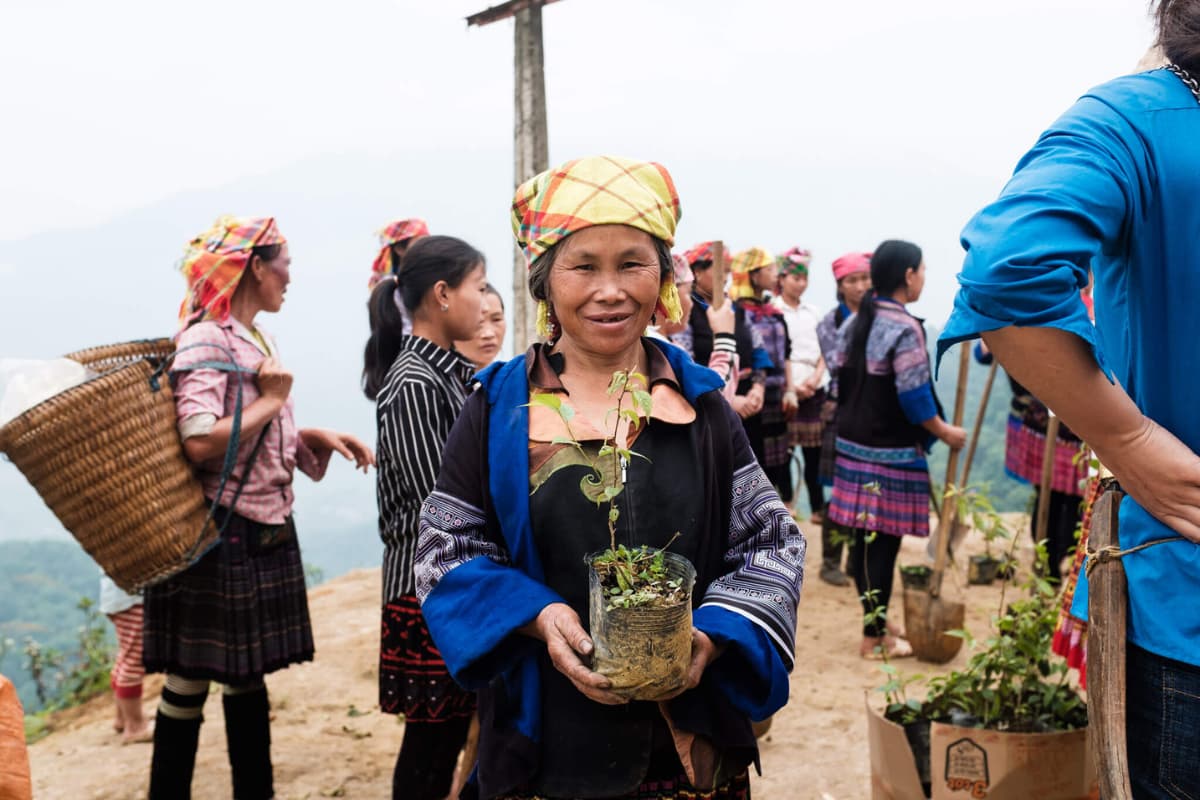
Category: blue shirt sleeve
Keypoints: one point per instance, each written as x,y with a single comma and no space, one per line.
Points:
1029,252
918,404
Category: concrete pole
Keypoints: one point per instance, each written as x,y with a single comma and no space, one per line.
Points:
531,151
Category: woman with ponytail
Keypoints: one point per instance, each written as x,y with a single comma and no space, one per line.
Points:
888,416
419,385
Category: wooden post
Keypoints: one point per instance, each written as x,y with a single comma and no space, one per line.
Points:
531,151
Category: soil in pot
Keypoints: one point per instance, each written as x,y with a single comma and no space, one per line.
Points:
915,577
981,570
642,635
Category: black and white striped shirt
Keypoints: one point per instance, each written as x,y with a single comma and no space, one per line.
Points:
422,395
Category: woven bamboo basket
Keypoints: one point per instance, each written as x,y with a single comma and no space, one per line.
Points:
106,457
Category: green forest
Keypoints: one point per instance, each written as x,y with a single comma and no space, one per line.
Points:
43,583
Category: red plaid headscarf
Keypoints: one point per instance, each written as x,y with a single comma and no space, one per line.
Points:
394,233
215,260
701,252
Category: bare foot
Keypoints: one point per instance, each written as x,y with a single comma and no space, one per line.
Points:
134,735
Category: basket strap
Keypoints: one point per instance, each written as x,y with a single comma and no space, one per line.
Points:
231,450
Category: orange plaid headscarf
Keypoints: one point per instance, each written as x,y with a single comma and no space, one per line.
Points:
215,260
391,234
742,265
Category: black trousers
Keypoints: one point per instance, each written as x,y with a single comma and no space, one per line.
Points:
872,564
1066,512
812,478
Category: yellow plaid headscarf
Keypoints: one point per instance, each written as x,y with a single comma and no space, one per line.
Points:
599,190
742,265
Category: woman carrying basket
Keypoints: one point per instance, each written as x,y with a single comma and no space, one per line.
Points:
241,611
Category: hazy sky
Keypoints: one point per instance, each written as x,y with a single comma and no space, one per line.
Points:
832,125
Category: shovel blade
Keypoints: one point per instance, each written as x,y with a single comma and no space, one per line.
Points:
926,619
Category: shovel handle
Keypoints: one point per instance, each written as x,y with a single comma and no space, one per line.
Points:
1106,654
983,404
949,505
1043,510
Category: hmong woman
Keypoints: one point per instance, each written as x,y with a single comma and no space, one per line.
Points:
723,358
241,611
808,374
552,728
853,275
754,274
483,348
419,385
394,240
702,340
887,416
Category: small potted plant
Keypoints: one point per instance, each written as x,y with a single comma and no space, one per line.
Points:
1013,686
640,598
975,505
915,576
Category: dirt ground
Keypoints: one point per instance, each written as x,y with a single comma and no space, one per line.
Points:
330,740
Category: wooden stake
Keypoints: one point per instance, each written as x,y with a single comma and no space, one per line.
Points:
1106,654
718,274
949,503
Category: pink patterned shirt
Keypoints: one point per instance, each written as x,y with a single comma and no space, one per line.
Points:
267,496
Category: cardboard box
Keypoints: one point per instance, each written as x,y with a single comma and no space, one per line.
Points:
975,764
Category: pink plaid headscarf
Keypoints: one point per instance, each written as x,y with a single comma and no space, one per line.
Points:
851,263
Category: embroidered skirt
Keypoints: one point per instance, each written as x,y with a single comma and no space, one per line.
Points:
413,679
776,440
828,441
231,617
805,427
879,497
1025,450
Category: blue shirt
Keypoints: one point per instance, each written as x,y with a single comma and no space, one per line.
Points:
1114,186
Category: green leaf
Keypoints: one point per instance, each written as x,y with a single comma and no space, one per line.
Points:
566,440
619,379
547,399
613,514
643,400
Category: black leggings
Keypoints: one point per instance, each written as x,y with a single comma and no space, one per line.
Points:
1065,514
873,565
812,478
428,756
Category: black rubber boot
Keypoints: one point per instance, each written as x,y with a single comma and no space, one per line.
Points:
174,759
831,556
248,736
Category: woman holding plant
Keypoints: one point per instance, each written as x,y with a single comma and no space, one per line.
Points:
888,415
600,437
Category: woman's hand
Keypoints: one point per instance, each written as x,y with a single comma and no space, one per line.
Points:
321,442
754,399
790,404
558,626
274,382
704,652
722,319
954,436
